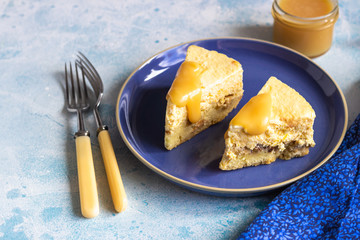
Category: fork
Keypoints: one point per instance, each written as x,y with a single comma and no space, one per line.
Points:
77,101
116,185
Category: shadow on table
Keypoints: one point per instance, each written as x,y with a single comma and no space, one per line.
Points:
353,105
262,32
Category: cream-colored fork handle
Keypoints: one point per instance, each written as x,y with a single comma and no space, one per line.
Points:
87,183
112,171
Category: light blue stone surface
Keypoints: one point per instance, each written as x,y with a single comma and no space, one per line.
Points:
39,196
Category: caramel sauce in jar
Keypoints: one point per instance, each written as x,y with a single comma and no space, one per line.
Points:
305,25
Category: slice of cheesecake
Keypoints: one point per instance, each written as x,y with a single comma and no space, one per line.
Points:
207,87
277,123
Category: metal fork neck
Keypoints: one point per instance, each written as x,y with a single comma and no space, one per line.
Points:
81,126
97,117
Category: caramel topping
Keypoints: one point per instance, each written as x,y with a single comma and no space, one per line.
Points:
186,89
254,115
306,8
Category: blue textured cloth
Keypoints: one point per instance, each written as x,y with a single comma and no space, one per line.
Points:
323,205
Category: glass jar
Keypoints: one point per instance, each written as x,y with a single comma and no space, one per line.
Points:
310,36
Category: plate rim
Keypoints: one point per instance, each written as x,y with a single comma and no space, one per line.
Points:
231,191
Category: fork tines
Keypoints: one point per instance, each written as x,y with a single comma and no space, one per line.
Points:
90,72
76,92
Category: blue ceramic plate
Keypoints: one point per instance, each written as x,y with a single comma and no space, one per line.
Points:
141,105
